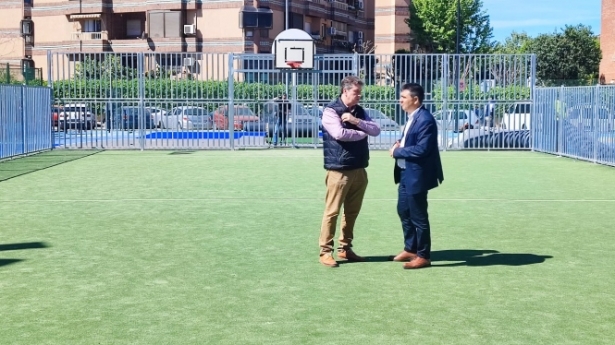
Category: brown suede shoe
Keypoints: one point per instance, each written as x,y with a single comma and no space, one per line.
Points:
404,256
349,255
327,260
419,262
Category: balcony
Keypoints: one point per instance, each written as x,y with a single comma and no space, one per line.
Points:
338,5
317,8
89,36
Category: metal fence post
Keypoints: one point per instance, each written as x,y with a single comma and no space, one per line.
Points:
533,120
50,86
141,112
596,97
559,107
315,109
231,95
444,87
356,66
23,118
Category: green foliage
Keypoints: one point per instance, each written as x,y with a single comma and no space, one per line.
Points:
569,57
15,76
209,94
110,67
473,96
571,54
473,92
433,26
516,43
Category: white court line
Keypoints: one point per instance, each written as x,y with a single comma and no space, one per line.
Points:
277,199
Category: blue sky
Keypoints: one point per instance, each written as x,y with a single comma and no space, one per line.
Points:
540,16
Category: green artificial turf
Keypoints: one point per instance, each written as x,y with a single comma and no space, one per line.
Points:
221,247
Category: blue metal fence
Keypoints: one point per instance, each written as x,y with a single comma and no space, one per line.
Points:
576,122
25,120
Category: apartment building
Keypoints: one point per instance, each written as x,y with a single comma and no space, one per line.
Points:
11,42
391,31
31,28
607,42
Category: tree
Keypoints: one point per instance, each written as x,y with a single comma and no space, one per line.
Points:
433,27
516,43
572,54
367,60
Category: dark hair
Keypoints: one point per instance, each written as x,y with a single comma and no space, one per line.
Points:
415,90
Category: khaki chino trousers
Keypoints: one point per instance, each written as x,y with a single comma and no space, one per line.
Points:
344,188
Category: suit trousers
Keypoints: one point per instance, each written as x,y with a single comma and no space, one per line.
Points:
412,211
344,188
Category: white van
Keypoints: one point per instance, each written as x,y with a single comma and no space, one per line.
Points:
517,116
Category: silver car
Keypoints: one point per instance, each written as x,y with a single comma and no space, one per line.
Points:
189,117
385,123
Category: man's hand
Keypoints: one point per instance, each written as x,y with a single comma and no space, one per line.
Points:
396,145
347,117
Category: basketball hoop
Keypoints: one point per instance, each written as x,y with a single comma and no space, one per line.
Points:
294,64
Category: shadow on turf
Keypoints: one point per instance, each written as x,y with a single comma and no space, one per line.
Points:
471,257
18,246
13,168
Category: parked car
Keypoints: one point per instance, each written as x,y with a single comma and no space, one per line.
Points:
55,115
591,119
127,118
304,123
457,121
517,116
385,123
241,115
76,116
158,116
188,117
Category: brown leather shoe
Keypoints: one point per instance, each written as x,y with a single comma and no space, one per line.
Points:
419,262
349,255
327,260
404,256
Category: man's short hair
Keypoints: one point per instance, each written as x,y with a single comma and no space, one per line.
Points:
415,90
349,82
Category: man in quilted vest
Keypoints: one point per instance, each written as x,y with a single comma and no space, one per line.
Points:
346,127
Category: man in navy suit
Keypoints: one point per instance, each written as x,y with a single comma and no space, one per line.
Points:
417,170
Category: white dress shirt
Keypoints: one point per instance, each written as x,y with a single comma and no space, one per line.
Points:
401,162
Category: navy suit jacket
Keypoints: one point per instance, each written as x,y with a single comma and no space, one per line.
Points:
420,150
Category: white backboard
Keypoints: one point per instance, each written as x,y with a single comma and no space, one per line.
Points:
293,45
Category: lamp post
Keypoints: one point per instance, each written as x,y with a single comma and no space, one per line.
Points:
458,26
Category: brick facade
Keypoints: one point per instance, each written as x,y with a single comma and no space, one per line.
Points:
607,41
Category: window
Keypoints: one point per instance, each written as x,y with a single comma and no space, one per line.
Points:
265,18
91,25
251,17
248,17
164,24
339,26
295,21
133,28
